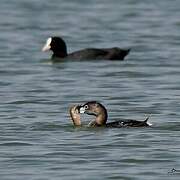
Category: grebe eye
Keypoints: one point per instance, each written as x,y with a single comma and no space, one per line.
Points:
86,106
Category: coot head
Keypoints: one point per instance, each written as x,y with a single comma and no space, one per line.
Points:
57,46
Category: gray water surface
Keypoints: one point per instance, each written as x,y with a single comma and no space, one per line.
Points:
37,139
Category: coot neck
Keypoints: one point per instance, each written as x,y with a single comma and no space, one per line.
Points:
59,55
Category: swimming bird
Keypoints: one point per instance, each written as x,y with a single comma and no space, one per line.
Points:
96,109
58,46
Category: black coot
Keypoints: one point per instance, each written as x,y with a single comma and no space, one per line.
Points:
59,49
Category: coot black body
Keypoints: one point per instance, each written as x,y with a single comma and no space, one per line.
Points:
58,46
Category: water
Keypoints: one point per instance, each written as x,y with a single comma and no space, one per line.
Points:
37,139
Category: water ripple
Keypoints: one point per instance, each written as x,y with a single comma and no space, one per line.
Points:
37,138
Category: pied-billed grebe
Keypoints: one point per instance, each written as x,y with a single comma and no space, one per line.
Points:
99,111
59,49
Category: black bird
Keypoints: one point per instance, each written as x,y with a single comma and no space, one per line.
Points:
58,46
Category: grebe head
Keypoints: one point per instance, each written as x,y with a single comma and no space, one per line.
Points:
96,109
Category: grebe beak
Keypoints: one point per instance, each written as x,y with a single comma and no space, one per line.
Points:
81,109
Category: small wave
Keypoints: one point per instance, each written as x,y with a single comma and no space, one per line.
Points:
15,144
38,126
